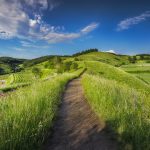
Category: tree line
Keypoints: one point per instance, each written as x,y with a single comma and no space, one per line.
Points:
85,52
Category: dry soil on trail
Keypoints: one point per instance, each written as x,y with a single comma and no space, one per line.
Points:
77,127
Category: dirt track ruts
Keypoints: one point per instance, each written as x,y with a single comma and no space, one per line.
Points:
77,127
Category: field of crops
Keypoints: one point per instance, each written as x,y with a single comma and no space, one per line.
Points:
142,71
137,68
22,77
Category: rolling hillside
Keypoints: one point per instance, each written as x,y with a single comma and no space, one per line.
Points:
8,64
109,58
116,87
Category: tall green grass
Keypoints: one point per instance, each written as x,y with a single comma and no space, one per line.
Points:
27,114
113,73
123,108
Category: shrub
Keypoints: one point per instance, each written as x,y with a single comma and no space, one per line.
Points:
37,72
74,66
50,65
67,65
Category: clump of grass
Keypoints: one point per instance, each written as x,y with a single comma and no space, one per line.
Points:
28,113
123,108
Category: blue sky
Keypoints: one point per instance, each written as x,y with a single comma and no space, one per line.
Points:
33,28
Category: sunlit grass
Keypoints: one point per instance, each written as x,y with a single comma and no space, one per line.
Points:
27,114
123,108
113,73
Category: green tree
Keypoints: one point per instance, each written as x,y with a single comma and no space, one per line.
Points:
1,71
57,60
74,66
50,65
132,59
37,72
60,68
141,57
67,65
76,59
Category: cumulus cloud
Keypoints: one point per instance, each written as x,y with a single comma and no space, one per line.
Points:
11,16
23,20
127,23
111,51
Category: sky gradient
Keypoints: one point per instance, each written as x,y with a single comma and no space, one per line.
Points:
34,28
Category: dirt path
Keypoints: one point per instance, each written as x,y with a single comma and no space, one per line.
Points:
77,127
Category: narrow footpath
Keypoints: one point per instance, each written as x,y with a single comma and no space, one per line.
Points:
77,127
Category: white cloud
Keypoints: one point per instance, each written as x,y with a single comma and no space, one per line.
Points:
26,44
34,3
111,51
127,23
90,28
11,16
55,37
18,19
18,49
24,21
60,37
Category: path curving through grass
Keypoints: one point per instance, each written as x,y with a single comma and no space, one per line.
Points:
77,127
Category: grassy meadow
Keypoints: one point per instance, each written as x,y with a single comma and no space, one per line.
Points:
28,113
123,108
140,70
122,100
117,89
117,74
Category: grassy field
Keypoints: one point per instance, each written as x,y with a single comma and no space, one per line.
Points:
122,100
137,68
144,77
28,113
113,73
123,108
142,71
118,91
21,77
115,60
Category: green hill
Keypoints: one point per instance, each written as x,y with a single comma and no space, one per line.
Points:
109,58
113,73
8,64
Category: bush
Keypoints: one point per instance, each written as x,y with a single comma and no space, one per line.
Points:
50,65
76,59
67,65
37,72
74,66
